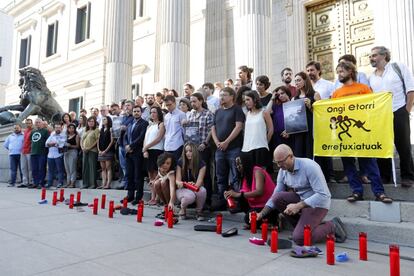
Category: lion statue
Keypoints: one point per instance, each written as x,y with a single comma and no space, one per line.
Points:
35,99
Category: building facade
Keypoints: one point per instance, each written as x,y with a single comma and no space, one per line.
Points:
95,52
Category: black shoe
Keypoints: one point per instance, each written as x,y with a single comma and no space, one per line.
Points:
129,199
135,202
21,186
31,186
406,183
340,232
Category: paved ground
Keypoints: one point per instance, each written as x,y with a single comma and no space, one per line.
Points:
43,239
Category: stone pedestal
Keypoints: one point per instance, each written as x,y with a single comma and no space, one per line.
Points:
118,51
253,35
5,131
175,43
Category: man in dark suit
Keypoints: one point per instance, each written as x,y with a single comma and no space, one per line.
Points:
135,135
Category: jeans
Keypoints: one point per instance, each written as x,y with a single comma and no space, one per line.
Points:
123,165
370,167
14,165
226,170
38,162
55,168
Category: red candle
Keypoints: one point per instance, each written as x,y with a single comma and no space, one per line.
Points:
363,256
111,209
274,240
394,260
307,234
191,187
62,195
166,213
125,203
71,200
219,223
231,203
264,230
78,196
43,197
139,213
330,250
141,203
103,201
253,220
95,206
170,218
54,200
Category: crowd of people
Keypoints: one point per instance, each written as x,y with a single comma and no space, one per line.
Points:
217,143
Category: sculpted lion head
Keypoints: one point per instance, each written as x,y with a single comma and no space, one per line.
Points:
32,81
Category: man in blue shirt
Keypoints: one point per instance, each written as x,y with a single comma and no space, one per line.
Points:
14,144
302,195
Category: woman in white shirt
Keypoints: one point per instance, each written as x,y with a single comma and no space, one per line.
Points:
154,146
258,131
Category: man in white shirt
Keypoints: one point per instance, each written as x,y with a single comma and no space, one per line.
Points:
325,89
395,77
213,103
56,143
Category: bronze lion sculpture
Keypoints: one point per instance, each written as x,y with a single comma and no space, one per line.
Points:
35,99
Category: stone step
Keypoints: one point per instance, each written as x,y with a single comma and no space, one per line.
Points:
343,190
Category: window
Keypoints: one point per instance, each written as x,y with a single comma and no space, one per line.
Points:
25,44
76,104
135,90
52,34
83,21
138,8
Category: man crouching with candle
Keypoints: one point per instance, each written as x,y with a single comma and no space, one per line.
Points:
302,195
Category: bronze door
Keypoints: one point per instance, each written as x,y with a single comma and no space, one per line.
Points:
339,27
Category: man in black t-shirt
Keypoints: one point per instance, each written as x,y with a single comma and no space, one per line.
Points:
226,133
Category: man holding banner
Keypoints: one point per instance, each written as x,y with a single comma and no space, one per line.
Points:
353,133
395,77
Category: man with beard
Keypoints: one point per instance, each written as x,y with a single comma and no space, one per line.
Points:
395,77
149,103
324,87
347,75
287,74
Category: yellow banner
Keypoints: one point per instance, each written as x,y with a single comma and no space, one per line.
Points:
357,126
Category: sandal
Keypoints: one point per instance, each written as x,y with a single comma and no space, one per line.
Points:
303,252
354,197
151,202
383,198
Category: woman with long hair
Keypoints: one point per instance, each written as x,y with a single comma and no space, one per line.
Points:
71,155
164,182
257,187
303,145
90,153
258,131
280,96
66,120
153,146
190,169
106,152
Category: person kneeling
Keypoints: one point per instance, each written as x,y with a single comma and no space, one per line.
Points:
191,169
302,195
257,187
164,182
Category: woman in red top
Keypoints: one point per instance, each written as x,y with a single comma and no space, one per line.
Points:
257,188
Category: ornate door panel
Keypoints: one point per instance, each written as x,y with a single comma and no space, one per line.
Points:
339,27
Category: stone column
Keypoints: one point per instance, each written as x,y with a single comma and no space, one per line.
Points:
175,43
215,52
394,29
118,50
253,35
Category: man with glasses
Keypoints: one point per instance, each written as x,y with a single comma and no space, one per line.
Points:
226,133
395,77
302,195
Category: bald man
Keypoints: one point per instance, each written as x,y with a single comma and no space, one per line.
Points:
302,195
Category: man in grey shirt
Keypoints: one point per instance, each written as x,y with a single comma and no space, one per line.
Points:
302,195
